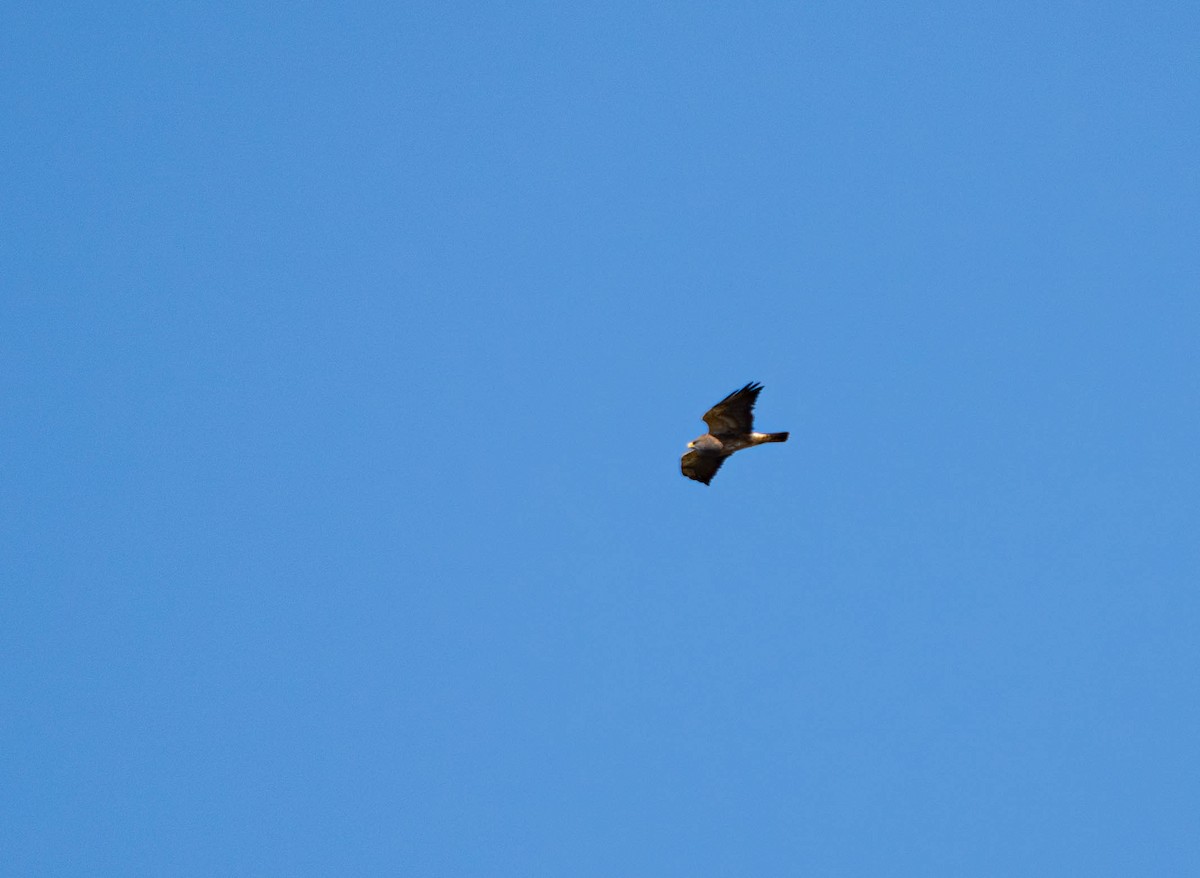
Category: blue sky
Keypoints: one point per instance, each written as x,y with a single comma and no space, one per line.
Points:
349,352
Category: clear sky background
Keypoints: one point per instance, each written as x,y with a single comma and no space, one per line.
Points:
349,351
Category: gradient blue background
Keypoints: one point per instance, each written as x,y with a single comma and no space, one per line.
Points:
348,354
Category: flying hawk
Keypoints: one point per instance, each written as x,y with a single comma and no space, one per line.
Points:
730,428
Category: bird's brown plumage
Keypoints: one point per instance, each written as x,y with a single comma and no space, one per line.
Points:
735,413
701,467
730,428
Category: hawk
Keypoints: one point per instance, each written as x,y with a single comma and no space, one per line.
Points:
730,428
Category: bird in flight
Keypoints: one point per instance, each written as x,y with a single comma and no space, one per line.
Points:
730,428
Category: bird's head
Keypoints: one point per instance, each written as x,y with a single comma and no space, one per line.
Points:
692,444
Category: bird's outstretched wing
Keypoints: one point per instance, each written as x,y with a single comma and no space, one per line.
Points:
701,467
735,413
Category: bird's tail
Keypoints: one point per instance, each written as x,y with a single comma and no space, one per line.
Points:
773,437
